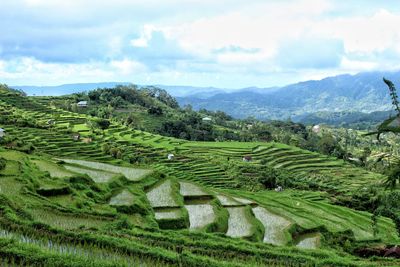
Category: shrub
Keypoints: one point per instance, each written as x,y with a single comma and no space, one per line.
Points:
271,177
2,163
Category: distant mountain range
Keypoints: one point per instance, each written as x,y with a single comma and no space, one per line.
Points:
64,89
330,99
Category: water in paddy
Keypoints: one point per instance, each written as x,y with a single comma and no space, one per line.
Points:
275,226
131,174
189,189
174,213
162,195
309,241
124,198
200,215
238,224
228,201
96,175
244,201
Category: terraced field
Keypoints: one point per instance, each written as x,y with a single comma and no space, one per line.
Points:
276,227
73,203
329,172
192,161
200,215
132,174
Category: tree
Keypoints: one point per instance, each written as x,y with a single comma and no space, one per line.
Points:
103,124
2,163
366,153
155,110
329,146
393,176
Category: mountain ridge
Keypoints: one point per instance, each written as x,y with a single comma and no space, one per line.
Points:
363,92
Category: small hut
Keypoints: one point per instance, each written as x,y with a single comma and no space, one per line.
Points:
76,136
2,132
170,156
51,122
279,188
247,158
206,119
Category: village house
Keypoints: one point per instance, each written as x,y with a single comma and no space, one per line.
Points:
2,132
208,119
170,156
82,104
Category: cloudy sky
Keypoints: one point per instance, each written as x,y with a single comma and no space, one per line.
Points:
224,43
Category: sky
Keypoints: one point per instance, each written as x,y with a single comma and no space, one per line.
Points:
224,43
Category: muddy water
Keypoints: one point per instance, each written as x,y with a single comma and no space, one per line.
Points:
275,226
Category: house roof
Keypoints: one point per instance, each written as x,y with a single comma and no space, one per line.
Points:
82,103
2,130
207,119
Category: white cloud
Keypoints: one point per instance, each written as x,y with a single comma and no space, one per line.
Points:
357,65
127,66
364,34
32,71
258,26
145,36
224,43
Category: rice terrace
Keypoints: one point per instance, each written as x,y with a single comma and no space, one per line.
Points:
72,202
233,146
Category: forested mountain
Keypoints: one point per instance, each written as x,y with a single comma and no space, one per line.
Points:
356,120
364,92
